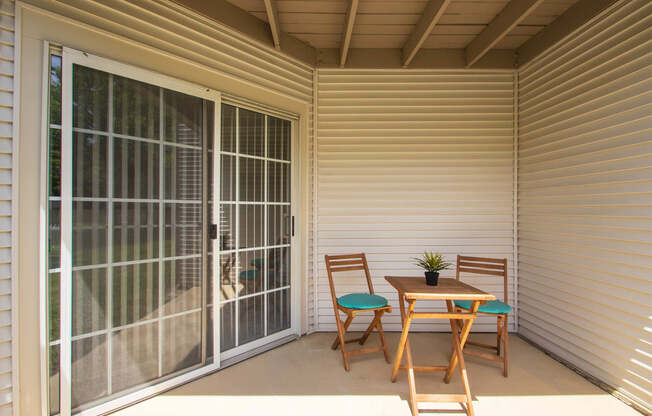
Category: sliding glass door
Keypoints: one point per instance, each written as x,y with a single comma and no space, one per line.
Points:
255,228
169,225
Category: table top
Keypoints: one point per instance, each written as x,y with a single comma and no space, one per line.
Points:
447,289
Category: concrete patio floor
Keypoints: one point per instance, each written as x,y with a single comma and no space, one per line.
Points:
306,377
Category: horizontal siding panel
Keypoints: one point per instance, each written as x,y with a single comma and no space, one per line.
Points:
413,161
585,200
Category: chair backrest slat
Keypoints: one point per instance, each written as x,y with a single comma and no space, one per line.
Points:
345,263
483,266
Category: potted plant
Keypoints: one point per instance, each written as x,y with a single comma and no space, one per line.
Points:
432,264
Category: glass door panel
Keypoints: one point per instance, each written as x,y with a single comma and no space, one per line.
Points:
138,268
255,227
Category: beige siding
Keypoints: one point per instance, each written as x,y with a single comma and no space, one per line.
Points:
413,160
6,155
585,199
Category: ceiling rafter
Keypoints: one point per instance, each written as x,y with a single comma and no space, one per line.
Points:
348,31
498,28
274,25
432,13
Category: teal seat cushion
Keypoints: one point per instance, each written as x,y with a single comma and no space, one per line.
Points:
362,301
249,274
492,306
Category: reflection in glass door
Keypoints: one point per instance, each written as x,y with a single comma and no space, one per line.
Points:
127,242
255,228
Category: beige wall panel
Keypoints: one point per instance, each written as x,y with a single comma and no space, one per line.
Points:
407,161
585,199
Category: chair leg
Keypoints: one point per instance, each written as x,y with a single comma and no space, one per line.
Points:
379,326
499,334
340,336
346,326
505,336
370,328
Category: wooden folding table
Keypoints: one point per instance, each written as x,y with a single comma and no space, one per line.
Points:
411,289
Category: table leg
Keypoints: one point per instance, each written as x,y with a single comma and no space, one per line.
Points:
458,353
404,335
462,337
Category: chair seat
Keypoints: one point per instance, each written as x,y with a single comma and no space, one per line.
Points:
252,274
362,301
493,306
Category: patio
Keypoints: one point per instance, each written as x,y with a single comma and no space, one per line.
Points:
181,179
306,377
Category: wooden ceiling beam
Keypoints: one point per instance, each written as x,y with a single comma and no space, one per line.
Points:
274,25
578,15
498,28
432,13
348,31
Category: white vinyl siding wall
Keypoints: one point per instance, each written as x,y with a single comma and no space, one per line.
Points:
585,199
6,155
408,161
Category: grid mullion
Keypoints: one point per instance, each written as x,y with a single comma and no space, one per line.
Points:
161,215
265,227
109,271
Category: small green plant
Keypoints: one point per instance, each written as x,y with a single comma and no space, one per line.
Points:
431,262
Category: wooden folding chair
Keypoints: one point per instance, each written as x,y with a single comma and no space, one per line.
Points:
499,309
354,303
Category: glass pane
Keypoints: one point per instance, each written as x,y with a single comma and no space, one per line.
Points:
228,178
136,107
227,227
55,89
183,118
182,285
227,328
182,346
90,98
89,292
135,169
228,128
89,369
135,293
251,319
252,132
90,153
183,173
135,231
54,379
278,182
251,273
278,311
89,233
135,356
278,273
183,230
54,299
278,138
279,225
55,162
209,334
251,226
228,276
54,235
251,179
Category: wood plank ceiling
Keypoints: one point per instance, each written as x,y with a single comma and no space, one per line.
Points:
405,33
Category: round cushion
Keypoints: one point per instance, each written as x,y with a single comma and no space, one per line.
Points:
492,306
362,301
